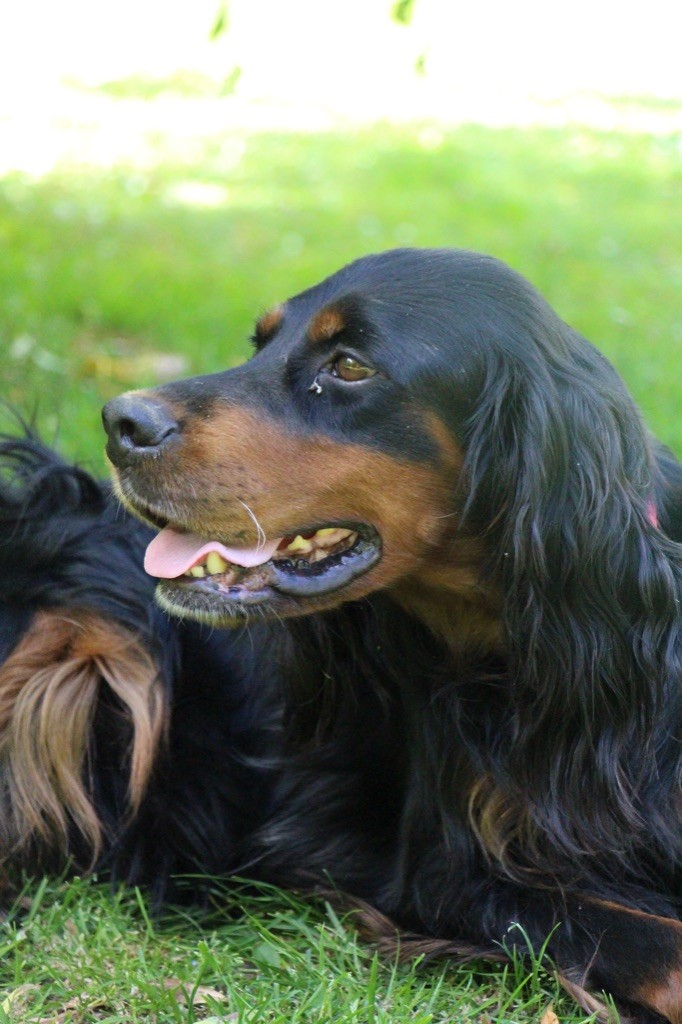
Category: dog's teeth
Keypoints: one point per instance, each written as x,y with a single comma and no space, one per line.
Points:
331,535
198,572
299,545
215,563
316,546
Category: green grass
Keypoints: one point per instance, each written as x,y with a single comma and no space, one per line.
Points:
80,953
111,280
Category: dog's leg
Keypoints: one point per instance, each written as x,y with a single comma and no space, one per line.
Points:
599,946
636,956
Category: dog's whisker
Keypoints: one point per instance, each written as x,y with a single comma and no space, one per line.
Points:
262,537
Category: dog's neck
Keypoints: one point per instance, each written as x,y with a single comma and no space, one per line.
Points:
450,598
467,628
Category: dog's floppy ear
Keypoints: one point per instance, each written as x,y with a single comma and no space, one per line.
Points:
561,476
668,491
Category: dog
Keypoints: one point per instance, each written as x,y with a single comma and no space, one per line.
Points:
447,556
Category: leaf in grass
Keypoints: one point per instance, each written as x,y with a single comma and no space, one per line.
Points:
15,997
199,996
549,1016
202,995
266,953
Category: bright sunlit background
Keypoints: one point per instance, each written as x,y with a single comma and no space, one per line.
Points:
313,64
167,170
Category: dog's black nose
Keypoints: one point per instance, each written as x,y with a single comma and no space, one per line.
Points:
136,425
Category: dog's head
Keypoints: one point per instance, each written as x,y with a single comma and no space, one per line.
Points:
407,420
322,469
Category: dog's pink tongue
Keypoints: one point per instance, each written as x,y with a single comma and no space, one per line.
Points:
172,553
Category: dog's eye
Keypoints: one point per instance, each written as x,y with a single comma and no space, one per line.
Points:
350,369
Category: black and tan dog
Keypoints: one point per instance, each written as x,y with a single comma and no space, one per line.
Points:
451,552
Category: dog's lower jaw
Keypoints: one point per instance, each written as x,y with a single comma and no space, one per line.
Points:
277,588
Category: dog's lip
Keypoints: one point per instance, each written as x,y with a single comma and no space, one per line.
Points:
136,505
278,584
175,549
283,552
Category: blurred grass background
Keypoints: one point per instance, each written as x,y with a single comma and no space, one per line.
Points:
125,276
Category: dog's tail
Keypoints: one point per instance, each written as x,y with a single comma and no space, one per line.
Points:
82,696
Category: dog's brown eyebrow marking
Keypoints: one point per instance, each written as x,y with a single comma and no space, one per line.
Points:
268,325
325,324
